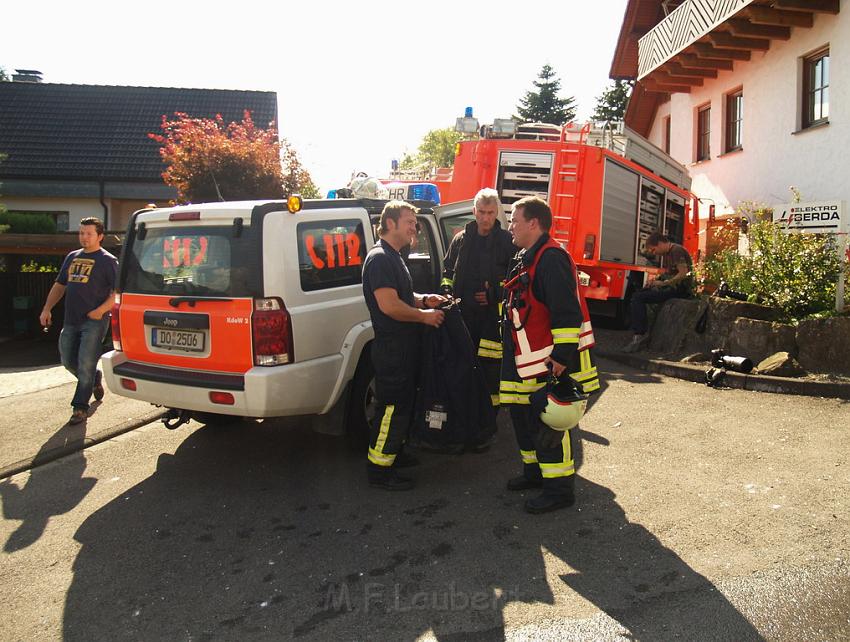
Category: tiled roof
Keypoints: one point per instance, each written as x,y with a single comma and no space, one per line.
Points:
53,131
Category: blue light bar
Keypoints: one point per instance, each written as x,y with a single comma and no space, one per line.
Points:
331,194
423,192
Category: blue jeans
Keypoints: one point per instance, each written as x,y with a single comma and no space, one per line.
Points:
80,347
640,299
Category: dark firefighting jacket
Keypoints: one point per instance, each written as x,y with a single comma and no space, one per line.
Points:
454,404
544,315
501,250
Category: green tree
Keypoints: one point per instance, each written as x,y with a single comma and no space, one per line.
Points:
4,77
795,273
208,160
543,105
611,105
437,149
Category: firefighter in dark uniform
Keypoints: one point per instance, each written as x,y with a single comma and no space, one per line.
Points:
396,312
474,271
546,327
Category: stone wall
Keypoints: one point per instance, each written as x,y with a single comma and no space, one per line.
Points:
749,330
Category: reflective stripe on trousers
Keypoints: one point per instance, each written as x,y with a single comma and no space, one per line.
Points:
376,454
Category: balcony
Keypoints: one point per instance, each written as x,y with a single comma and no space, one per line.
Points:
701,37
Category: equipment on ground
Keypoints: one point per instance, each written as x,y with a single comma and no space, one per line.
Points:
719,359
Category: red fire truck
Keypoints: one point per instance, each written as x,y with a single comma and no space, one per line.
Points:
609,189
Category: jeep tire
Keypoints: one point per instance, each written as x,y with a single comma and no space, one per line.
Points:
361,406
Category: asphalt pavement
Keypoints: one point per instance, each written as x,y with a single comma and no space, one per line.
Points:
35,393
35,405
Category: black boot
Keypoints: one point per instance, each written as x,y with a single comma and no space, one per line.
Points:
388,479
524,483
405,460
557,493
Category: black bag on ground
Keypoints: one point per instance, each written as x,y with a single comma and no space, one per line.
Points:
453,407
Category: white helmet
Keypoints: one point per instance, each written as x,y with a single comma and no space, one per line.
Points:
562,403
368,187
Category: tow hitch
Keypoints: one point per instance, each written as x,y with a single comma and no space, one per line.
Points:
174,418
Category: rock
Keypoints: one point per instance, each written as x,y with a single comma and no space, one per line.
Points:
672,331
824,345
722,314
780,364
758,339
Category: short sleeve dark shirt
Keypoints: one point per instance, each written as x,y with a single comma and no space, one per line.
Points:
384,268
89,278
674,257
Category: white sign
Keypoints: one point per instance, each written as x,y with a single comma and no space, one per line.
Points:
824,217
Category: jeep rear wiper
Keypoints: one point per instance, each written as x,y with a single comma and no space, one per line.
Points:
175,302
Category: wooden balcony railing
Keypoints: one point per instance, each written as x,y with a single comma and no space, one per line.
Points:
685,25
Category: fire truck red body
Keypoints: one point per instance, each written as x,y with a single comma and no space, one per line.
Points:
609,189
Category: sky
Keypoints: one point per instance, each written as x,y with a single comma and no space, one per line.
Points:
358,84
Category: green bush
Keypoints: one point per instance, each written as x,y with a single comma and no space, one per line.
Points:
795,273
47,264
22,223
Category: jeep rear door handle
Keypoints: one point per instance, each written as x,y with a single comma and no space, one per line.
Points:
175,302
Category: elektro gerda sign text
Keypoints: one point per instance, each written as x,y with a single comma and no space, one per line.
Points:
819,218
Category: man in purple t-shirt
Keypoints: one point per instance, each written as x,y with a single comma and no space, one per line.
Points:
88,277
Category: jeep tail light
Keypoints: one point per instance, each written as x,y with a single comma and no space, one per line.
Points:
128,384
589,246
271,328
224,398
116,323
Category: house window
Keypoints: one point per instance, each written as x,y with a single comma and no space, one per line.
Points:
667,134
60,218
734,120
703,133
816,88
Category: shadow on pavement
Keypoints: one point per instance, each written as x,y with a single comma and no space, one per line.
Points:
29,353
259,532
58,489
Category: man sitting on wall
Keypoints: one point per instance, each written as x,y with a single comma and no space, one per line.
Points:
676,282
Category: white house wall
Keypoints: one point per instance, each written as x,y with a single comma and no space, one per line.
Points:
773,157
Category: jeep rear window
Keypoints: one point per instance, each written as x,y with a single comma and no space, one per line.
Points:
330,253
192,261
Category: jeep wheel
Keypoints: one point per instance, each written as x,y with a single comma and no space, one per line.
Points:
361,408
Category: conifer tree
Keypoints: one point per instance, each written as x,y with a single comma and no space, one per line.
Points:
611,105
543,105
